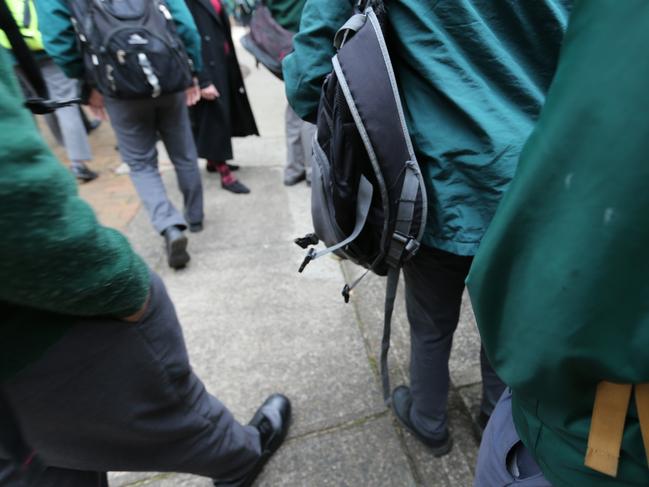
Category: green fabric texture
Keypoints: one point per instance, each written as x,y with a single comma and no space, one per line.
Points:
560,286
286,13
61,42
57,261
472,76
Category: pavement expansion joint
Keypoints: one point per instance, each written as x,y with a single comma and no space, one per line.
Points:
343,426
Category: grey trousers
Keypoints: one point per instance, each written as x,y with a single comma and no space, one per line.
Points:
299,144
434,286
503,460
112,395
136,124
65,123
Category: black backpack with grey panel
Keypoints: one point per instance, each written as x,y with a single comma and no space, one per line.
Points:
368,200
131,49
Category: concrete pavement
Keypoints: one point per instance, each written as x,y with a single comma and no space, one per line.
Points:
254,326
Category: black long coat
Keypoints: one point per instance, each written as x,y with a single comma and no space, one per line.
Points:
230,115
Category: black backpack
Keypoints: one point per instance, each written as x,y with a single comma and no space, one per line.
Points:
368,200
131,48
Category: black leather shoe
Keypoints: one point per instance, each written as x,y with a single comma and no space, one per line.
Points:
236,187
293,180
84,174
196,227
272,420
176,246
402,404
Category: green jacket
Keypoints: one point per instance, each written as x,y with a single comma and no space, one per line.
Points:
473,77
57,262
61,42
286,13
560,286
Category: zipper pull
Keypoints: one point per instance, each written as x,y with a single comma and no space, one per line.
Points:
165,11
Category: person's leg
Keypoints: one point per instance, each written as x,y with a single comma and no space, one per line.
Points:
503,460
492,386
70,123
112,395
52,477
294,172
172,122
134,125
307,132
434,286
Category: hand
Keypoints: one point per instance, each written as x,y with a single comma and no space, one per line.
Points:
96,103
210,93
138,315
193,94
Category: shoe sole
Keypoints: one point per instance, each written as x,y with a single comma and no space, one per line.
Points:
178,256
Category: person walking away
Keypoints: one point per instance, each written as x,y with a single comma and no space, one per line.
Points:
559,285
224,110
93,364
66,124
299,133
472,78
139,122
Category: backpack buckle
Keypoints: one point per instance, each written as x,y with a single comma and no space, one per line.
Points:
412,247
307,240
346,293
309,257
403,248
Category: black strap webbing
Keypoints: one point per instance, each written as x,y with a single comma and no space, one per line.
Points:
21,52
390,296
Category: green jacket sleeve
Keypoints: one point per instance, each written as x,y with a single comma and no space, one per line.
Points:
59,37
307,66
55,255
187,31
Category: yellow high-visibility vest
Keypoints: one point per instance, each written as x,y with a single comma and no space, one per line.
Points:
24,13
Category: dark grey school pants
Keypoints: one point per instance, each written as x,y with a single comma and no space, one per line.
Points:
137,125
111,395
503,460
434,287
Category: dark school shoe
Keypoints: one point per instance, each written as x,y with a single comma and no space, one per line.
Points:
84,174
402,404
236,187
272,420
195,227
292,181
176,247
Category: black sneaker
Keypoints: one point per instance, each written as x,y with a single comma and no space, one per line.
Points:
176,247
402,404
83,173
272,420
